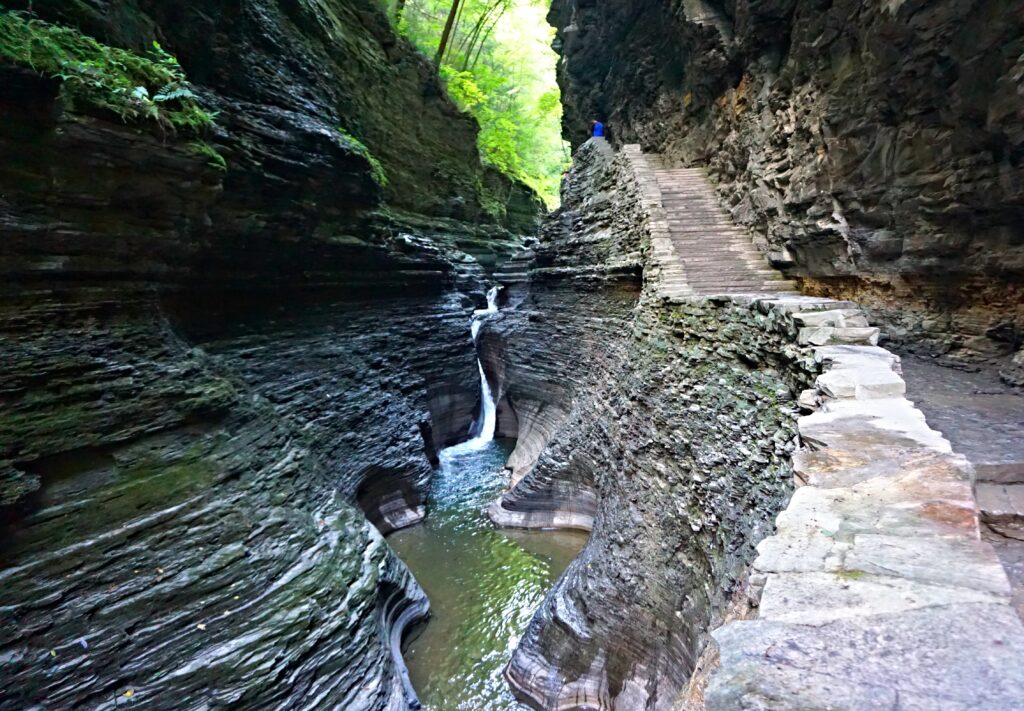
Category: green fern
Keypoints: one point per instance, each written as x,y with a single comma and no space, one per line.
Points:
213,158
96,76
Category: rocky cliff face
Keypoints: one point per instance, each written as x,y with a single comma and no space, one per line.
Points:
875,147
664,429
214,377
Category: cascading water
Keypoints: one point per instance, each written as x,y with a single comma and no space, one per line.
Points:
482,431
483,584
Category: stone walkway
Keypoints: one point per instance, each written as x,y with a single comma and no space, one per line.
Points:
700,250
984,420
876,591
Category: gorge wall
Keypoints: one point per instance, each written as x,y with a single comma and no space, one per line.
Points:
665,429
873,147
216,376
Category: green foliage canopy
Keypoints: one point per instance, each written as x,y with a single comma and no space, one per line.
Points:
499,66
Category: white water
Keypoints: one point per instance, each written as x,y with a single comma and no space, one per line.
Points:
483,429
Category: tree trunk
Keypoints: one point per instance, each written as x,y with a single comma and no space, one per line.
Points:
475,34
483,40
447,31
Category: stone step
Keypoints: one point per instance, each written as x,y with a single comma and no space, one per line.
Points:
745,278
712,261
730,270
720,256
839,318
697,235
831,336
724,257
859,373
733,281
737,290
682,212
691,226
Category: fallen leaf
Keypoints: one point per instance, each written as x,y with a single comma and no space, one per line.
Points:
129,693
160,570
201,626
53,652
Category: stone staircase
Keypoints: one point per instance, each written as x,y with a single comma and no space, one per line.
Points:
712,255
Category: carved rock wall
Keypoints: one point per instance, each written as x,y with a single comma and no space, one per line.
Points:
875,147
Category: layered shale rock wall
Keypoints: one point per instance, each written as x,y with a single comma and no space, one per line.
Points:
667,425
188,524
875,147
665,429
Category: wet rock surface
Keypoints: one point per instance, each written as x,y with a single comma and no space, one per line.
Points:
984,420
214,379
875,148
200,566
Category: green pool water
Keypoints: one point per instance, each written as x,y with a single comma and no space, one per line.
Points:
484,584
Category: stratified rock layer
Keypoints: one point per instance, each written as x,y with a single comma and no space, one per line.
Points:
187,526
664,429
677,448
875,147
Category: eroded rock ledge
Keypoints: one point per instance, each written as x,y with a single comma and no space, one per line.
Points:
669,428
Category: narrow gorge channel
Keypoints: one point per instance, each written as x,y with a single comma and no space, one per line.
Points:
484,584
511,355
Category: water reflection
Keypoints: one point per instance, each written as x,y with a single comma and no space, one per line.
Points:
484,584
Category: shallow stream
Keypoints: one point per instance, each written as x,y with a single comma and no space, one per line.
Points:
484,584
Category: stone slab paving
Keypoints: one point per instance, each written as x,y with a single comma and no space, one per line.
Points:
984,420
876,590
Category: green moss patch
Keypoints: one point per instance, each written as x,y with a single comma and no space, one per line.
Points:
108,79
354,144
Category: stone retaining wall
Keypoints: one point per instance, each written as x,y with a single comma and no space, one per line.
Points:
876,590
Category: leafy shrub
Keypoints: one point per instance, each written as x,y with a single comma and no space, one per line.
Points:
96,76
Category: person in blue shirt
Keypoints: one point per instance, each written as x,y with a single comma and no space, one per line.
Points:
596,129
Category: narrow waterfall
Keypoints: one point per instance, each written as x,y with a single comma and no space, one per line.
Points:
482,430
